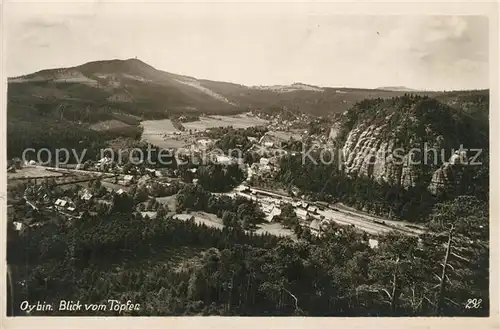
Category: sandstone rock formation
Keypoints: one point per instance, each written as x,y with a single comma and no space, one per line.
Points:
402,146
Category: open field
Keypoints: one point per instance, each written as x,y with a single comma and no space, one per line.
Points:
200,217
169,201
154,127
237,121
109,125
31,172
286,135
154,131
274,229
166,143
212,220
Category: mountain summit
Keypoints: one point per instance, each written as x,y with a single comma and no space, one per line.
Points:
136,87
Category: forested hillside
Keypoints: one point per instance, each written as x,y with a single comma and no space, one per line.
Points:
363,170
174,266
69,100
171,267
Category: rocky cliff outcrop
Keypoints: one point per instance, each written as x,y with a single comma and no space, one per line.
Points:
366,153
404,142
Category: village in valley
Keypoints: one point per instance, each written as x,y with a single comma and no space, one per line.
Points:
210,162
69,192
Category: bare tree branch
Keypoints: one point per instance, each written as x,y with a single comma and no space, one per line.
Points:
460,257
427,299
293,296
452,301
387,293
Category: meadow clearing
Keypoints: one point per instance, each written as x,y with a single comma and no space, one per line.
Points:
154,130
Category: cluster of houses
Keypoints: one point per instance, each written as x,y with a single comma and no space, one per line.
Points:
271,206
127,180
65,205
265,165
204,143
68,206
305,210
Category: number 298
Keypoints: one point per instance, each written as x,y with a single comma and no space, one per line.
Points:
473,303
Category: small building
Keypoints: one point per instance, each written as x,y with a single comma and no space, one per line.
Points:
459,158
128,179
120,192
301,213
150,214
315,225
61,204
104,161
152,172
242,188
268,144
18,226
266,208
313,209
275,211
87,195
247,196
301,204
204,143
373,243
222,159
266,169
264,161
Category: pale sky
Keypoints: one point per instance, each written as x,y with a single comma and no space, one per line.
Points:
248,46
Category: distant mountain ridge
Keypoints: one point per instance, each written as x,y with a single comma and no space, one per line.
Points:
93,90
47,104
398,88
137,88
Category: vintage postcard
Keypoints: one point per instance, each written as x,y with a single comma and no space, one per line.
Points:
249,161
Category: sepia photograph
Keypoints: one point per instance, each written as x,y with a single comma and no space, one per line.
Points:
168,159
